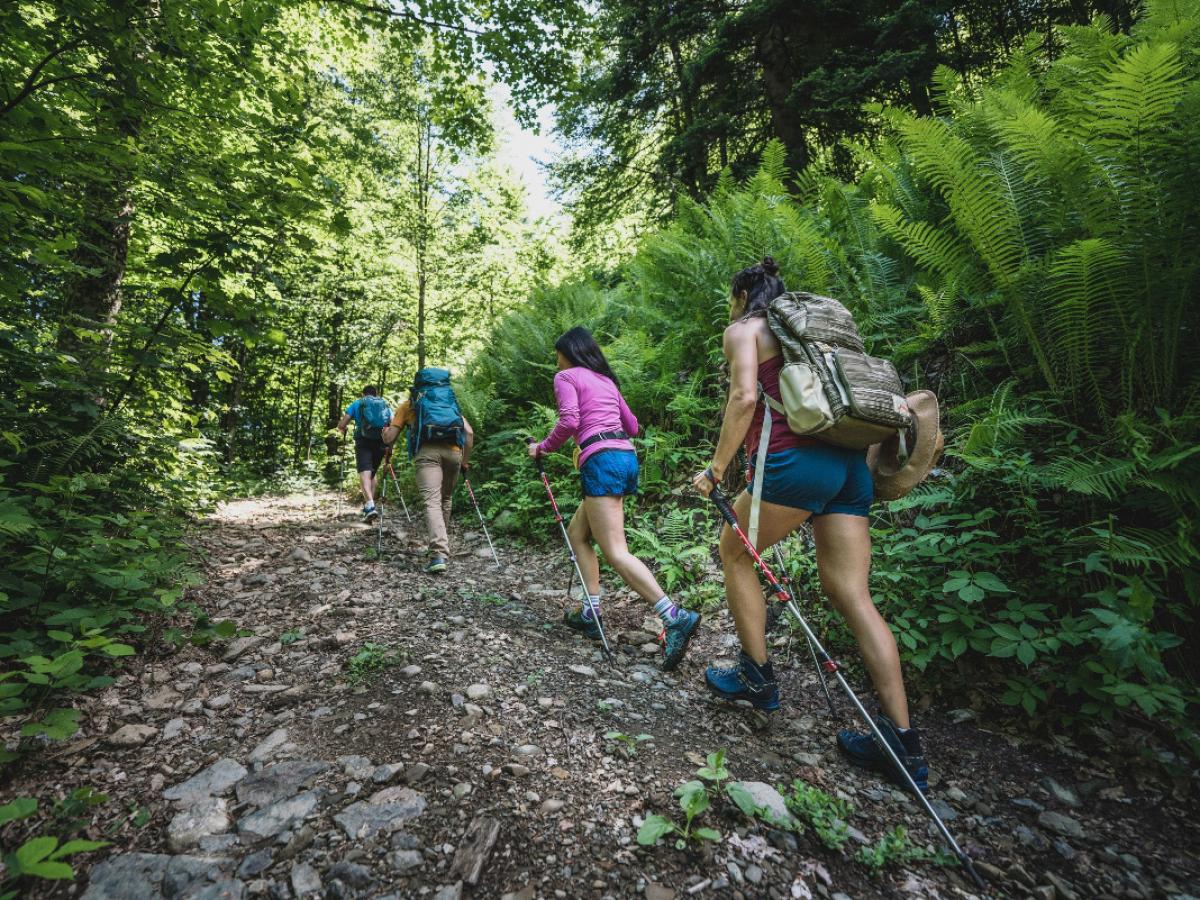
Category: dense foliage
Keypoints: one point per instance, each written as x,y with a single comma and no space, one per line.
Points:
1023,252
216,215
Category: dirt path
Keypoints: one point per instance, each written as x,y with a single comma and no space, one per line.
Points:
475,762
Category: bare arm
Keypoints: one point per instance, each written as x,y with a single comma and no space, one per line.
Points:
469,443
741,349
342,423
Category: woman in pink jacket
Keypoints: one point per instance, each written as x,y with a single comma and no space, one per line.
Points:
592,411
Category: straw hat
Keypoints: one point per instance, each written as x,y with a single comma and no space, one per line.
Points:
895,478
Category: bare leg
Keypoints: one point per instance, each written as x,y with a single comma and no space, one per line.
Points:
844,562
746,603
368,485
606,515
579,533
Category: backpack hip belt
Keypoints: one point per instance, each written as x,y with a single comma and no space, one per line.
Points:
604,436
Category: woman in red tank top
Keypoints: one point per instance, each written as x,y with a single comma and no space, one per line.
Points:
803,478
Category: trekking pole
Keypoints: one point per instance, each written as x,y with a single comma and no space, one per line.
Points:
479,512
399,493
341,485
541,467
787,583
827,662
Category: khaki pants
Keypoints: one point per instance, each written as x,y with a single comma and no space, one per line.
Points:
437,467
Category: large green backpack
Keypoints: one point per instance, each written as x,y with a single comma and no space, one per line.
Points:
830,387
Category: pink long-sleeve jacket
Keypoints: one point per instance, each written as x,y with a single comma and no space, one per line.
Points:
588,403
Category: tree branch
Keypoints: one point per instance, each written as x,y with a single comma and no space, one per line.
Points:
370,7
31,82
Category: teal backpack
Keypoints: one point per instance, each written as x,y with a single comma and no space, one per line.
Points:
436,416
374,415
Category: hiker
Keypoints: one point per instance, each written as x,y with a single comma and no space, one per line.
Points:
370,414
804,478
592,411
439,444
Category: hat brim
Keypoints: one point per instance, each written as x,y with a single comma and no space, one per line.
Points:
894,479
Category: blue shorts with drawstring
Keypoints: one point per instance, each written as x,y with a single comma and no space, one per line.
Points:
610,473
820,478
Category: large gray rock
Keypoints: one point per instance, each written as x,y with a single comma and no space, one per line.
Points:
386,811
766,797
214,781
305,880
131,735
280,816
277,782
201,818
154,876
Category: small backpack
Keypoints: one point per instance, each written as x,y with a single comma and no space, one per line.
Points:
374,415
435,413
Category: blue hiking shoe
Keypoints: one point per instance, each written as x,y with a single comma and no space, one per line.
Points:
435,566
745,681
675,638
863,750
577,621
369,512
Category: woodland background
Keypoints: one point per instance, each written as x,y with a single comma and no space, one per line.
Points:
223,217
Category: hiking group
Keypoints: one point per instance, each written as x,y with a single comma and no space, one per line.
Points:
825,428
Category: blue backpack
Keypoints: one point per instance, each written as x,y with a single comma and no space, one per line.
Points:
374,415
436,416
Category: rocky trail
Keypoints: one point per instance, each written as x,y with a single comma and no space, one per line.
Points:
378,732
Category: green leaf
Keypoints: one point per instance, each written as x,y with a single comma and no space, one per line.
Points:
654,828
742,798
989,582
972,593
707,834
119,650
77,846
34,851
1025,652
21,808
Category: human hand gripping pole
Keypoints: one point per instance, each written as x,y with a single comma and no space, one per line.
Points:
831,667
541,468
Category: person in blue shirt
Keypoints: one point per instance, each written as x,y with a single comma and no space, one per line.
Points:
369,448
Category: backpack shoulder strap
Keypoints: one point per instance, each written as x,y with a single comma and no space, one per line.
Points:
760,463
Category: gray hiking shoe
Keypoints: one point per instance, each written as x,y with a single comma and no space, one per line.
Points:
436,566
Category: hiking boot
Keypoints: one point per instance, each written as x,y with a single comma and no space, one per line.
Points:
675,638
745,681
369,512
577,621
435,566
863,750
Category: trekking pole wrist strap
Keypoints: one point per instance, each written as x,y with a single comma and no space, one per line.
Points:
708,473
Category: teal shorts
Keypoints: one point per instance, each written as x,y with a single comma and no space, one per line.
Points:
820,478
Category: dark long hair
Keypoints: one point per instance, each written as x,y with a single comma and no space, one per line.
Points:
581,349
762,284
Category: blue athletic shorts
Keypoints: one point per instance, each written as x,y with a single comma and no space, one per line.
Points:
610,473
821,478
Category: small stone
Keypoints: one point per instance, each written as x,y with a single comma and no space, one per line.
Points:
305,880
754,874
462,789
255,863
131,735
416,772
1060,824
280,816
528,750
221,701
449,892
238,646
428,688
385,812
204,817
404,860
412,672
478,692
357,767
552,805
1061,793
214,781
269,745
586,671
278,782
173,729
385,773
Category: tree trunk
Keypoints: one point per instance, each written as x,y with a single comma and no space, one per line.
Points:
333,396
777,72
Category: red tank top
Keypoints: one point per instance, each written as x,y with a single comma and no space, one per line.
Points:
782,437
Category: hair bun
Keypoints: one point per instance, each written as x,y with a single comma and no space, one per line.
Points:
770,266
